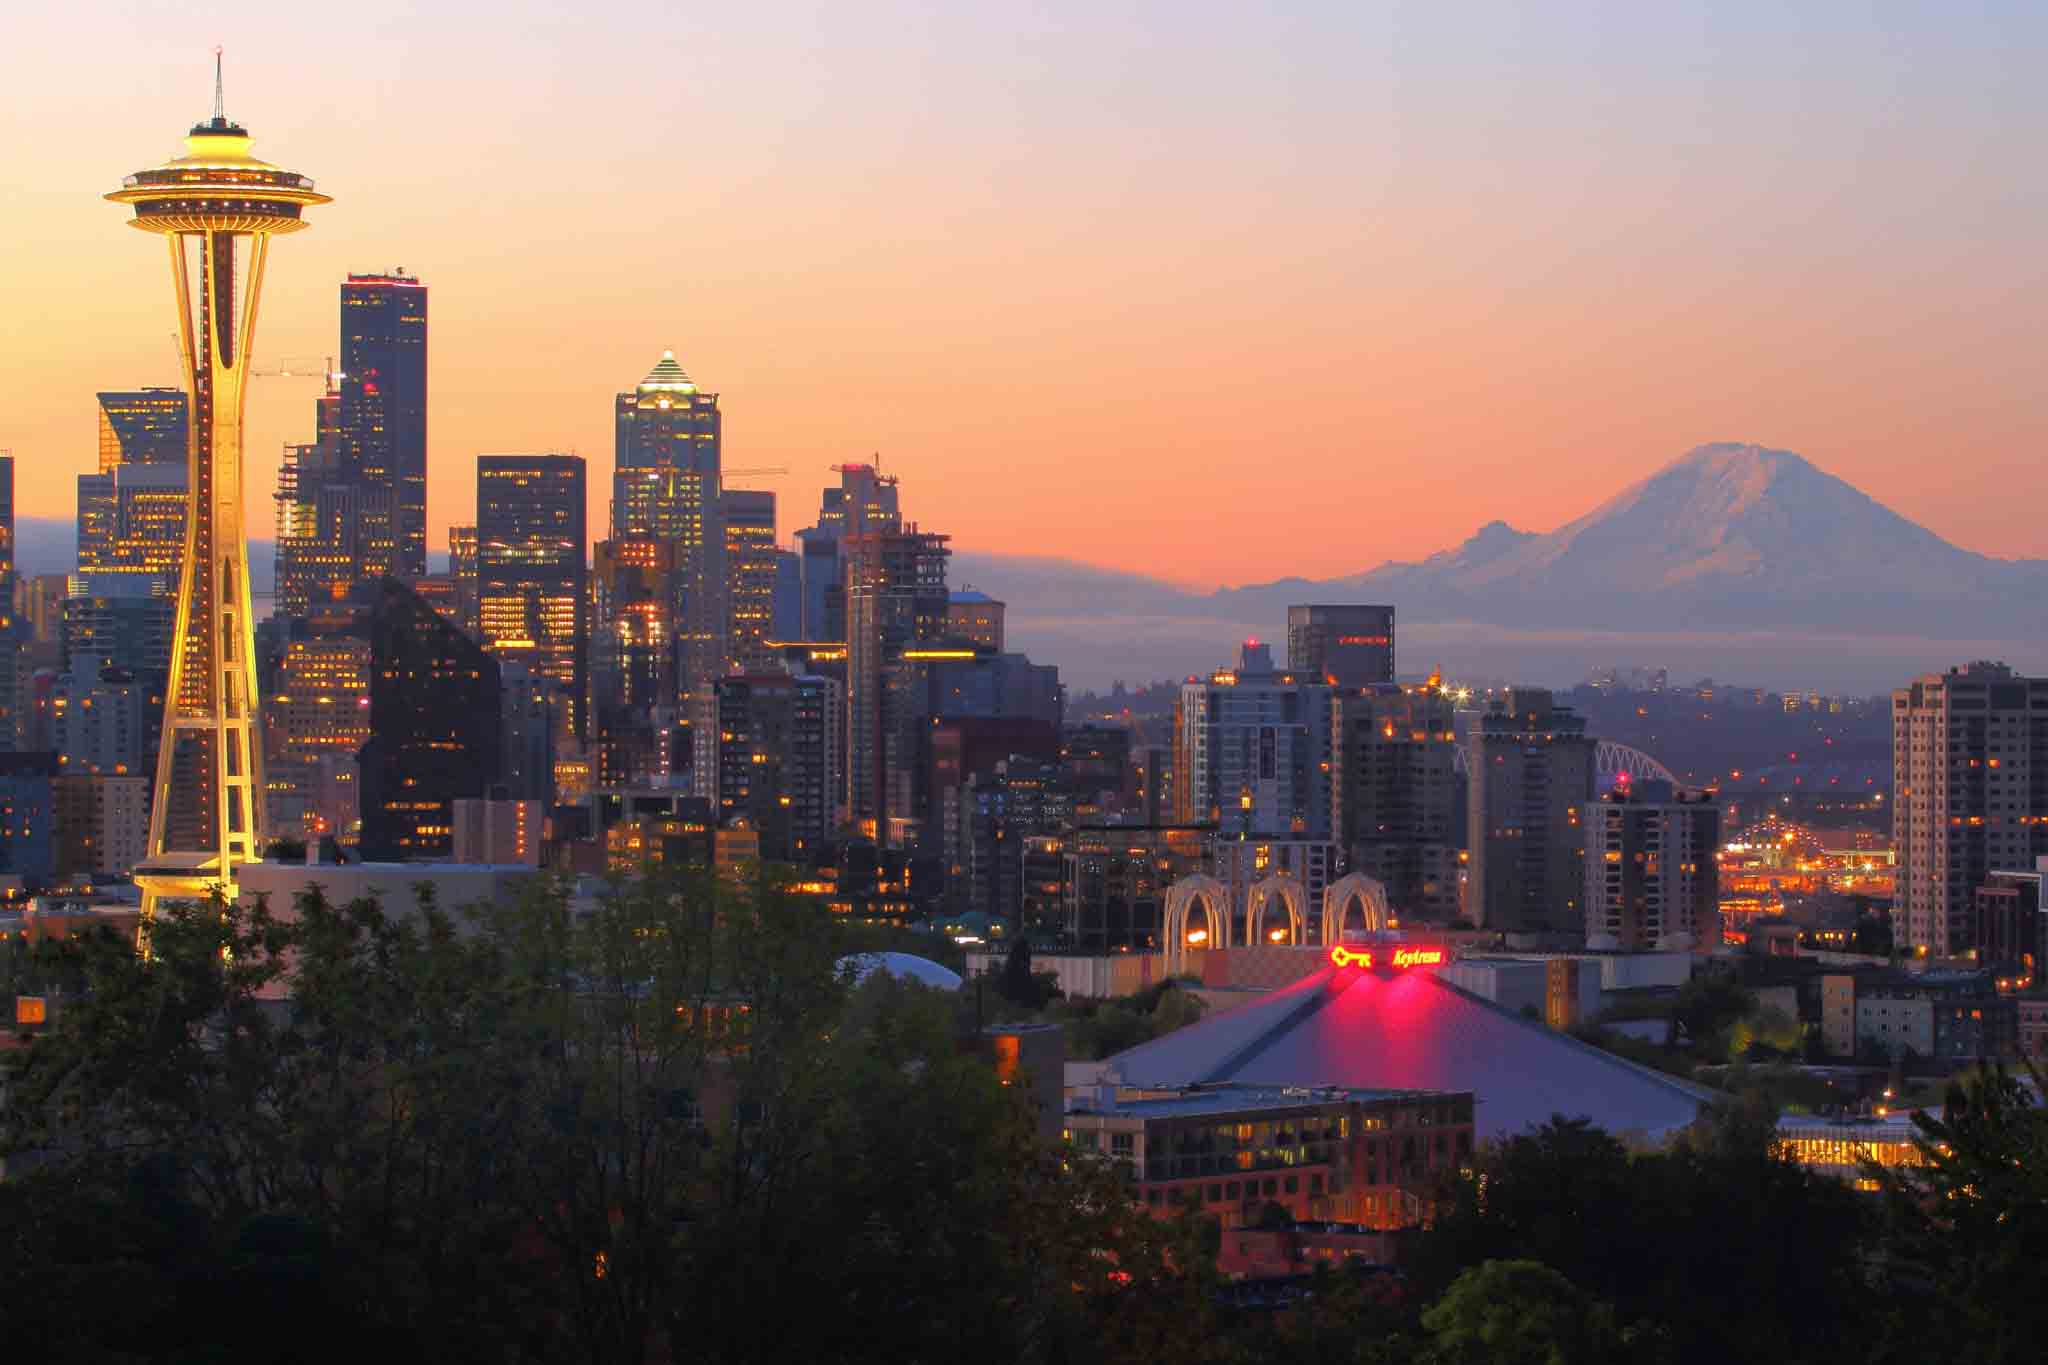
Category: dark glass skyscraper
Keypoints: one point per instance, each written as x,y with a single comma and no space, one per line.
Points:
383,417
532,580
434,728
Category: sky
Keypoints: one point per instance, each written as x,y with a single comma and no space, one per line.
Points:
1217,293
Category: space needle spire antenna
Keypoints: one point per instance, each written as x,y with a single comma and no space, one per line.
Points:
217,207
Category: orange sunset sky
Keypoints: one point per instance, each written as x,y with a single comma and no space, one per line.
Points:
1219,293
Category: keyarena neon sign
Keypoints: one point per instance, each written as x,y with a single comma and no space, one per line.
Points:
1400,958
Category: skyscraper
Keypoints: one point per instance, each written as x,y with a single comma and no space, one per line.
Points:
1254,745
218,208
751,567
777,760
462,564
1969,796
1349,646
131,521
1395,794
334,530
665,484
895,597
434,728
319,709
864,503
532,575
143,426
383,407
1653,878
1530,770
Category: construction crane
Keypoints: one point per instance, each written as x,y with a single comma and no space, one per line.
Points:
726,475
302,367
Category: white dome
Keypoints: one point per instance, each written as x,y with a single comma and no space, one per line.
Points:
902,966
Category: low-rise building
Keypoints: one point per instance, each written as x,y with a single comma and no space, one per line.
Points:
2031,1019
1948,1017
1839,1146
1370,1157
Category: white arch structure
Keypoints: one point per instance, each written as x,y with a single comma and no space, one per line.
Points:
1293,896
1371,896
1612,759
1181,898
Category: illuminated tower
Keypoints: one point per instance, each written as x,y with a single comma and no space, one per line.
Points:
216,207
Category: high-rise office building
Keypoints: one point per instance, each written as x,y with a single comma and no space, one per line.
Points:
462,566
933,684
665,484
1653,878
532,579
865,503
143,426
28,824
751,569
1348,646
976,617
1969,796
1395,794
102,824
98,724
118,621
17,688
334,530
1530,769
131,520
383,407
319,708
1008,845
777,760
895,597
1253,744
527,729
434,728
497,831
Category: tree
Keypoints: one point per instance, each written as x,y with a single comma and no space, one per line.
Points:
1519,1313
534,1131
1765,1032
1707,1006
1966,1232
1633,1231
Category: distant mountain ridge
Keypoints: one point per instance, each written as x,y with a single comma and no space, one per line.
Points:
1726,537
1734,560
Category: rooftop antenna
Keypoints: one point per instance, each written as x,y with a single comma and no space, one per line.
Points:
220,104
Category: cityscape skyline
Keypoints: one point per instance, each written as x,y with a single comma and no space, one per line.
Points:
1110,310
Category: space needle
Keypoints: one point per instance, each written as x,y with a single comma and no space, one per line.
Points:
217,208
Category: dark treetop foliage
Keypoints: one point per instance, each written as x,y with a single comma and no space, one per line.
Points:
665,1128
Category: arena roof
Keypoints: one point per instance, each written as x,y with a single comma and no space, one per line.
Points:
1344,1026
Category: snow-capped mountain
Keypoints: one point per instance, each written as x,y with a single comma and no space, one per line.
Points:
1727,536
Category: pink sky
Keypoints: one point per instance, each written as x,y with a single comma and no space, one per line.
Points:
1179,289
